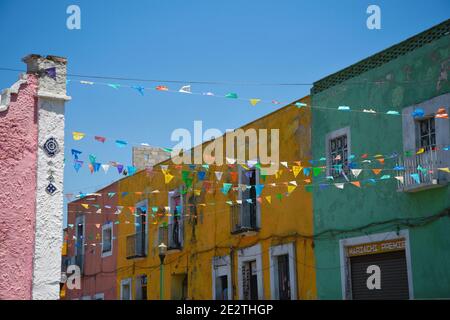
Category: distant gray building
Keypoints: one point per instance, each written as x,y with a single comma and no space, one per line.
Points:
147,156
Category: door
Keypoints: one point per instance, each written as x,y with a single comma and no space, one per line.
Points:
284,285
393,276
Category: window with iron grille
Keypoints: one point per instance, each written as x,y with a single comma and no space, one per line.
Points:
427,133
107,233
338,155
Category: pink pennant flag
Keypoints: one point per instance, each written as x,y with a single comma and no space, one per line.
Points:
100,139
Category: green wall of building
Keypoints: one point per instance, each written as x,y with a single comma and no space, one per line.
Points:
407,80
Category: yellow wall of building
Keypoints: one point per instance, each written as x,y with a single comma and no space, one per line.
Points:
285,221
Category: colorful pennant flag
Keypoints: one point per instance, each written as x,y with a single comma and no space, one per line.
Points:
77,135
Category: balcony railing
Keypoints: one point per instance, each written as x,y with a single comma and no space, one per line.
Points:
421,171
136,245
243,218
175,236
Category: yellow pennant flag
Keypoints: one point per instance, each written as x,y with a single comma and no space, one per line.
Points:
167,177
291,188
296,170
84,205
197,192
421,150
445,169
254,101
269,199
77,135
278,174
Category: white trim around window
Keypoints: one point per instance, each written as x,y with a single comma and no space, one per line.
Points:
221,266
333,135
345,261
125,282
246,255
276,251
106,226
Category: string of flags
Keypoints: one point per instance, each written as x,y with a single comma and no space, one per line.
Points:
225,187
293,166
441,112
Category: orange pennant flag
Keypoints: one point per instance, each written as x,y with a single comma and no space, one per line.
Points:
377,171
356,183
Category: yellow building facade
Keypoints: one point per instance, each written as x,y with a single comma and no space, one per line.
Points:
252,241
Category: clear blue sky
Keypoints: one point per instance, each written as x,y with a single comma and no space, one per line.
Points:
232,41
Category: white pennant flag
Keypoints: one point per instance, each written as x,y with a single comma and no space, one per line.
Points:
251,163
293,182
230,160
185,89
339,185
284,163
356,172
219,175
400,178
105,167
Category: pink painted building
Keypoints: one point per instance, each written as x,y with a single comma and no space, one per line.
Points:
31,183
92,244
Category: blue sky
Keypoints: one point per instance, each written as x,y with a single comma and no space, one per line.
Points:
234,41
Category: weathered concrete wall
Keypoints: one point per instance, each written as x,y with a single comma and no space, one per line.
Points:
18,153
144,156
408,80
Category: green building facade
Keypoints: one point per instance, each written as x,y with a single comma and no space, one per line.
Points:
389,236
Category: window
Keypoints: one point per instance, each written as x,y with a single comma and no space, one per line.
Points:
338,151
99,296
125,289
427,133
250,282
107,234
141,229
79,242
246,215
423,139
175,232
221,275
141,287
282,272
179,286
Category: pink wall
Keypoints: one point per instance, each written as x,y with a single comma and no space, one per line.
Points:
18,151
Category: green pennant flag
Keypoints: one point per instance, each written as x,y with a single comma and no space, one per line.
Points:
185,175
231,95
316,171
188,182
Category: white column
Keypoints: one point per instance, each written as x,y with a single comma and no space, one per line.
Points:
50,170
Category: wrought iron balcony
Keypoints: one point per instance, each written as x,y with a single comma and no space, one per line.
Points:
136,245
420,171
243,218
